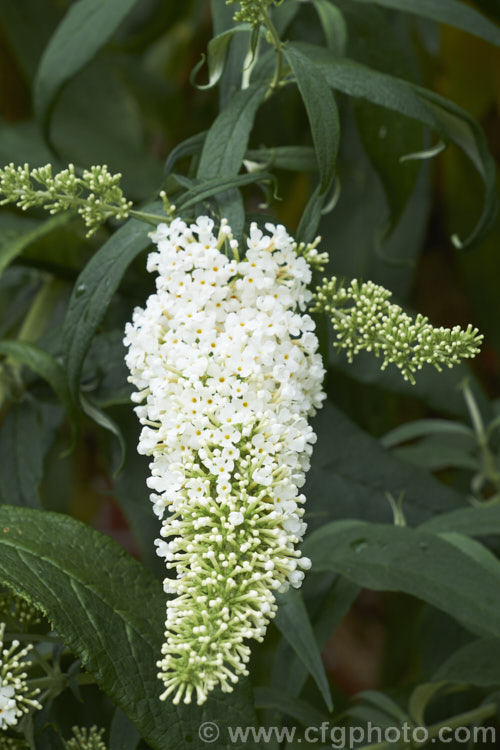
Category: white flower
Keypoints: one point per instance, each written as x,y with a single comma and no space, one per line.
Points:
227,371
236,518
16,697
8,712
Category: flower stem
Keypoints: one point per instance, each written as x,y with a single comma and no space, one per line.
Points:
148,218
278,46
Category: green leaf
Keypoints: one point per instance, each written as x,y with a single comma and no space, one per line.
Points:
424,427
388,137
129,488
438,390
230,83
110,612
420,699
448,12
383,703
450,121
100,417
93,292
21,456
209,188
22,142
49,739
360,81
86,27
278,700
190,146
27,28
96,121
283,15
476,551
9,251
334,25
310,219
288,667
435,453
467,521
351,475
293,623
225,147
443,444
44,365
123,734
293,158
375,41
321,110
458,581
456,125
474,664
216,57
227,139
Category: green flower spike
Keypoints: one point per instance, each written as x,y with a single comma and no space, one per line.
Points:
86,739
253,12
96,195
364,318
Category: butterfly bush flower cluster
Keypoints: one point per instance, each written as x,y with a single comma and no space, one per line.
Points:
16,697
224,359
364,318
252,11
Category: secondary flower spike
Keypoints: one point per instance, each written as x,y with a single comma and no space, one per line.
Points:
225,362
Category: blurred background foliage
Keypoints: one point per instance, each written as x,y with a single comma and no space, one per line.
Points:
392,223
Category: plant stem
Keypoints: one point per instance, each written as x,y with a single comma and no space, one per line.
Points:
148,218
278,46
489,467
59,681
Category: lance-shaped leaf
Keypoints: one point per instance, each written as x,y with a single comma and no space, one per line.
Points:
214,187
21,456
321,110
10,250
227,139
469,521
294,624
453,574
451,12
216,57
44,365
86,27
93,292
334,25
225,147
451,122
475,664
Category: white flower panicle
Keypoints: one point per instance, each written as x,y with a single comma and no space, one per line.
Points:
16,697
225,361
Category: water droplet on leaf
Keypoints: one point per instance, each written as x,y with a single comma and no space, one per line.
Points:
359,544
